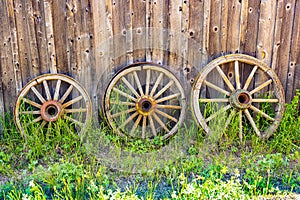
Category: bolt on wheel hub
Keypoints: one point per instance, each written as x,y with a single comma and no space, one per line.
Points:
51,110
145,105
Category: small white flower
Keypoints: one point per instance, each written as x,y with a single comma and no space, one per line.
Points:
237,173
25,197
189,189
174,195
31,183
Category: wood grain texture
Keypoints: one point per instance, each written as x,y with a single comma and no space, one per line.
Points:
91,40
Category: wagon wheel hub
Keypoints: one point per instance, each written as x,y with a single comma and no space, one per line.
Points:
51,111
241,99
145,105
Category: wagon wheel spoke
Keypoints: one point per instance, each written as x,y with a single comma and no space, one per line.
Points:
214,100
166,115
216,88
71,102
57,88
163,89
156,84
122,103
37,105
168,106
75,110
138,82
241,99
241,125
231,115
173,96
237,74
50,110
42,125
148,81
48,95
67,93
136,123
225,78
124,94
152,126
265,100
265,84
160,122
49,128
248,115
32,112
261,112
38,94
144,126
123,112
130,87
153,106
128,120
250,77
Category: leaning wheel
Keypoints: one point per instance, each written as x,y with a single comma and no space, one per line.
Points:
49,98
238,88
144,100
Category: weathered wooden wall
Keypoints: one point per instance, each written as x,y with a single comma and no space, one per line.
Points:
90,39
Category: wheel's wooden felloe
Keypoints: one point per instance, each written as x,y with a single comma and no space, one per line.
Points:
49,98
144,100
238,88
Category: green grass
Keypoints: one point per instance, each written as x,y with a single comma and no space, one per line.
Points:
101,165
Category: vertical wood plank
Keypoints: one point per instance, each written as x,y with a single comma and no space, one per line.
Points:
129,34
214,49
2,59
87,62
252,28
196,35
266,30
41,38
248,46
224,24
214,33
243,24
14,46
148,32
265,38
103,49
294,65
139,31
175,9
277,35
71,38
185,36
206,28
31,34
158,20
27,70
51,62
119,32
285,45
233,35
233,31
8,86
60,35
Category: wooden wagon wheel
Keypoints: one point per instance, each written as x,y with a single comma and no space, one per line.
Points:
237,96
48,98
144,100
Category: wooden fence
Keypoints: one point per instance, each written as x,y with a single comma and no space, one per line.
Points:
90,39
